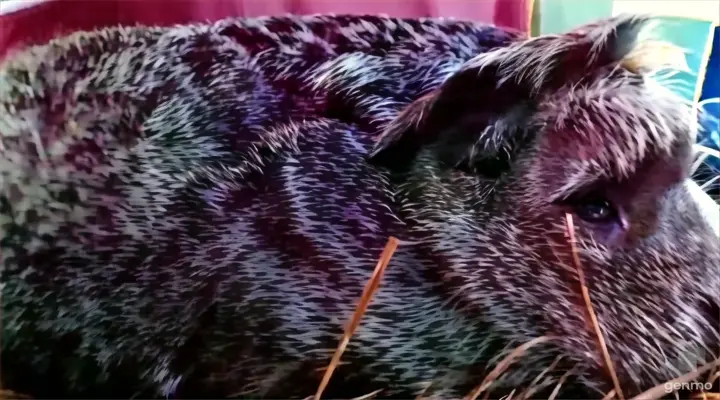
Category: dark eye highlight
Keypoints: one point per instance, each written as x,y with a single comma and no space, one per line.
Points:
593,208
596,210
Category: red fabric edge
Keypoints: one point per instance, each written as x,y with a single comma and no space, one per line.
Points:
42,22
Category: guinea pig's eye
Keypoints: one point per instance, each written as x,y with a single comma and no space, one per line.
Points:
595,210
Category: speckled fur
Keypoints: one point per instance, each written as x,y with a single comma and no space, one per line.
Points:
202,205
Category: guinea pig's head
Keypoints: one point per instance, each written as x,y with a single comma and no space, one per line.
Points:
562,130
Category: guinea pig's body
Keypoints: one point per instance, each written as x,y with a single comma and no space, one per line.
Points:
194,211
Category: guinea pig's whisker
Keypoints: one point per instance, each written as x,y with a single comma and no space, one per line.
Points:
707,150
700,159
706,186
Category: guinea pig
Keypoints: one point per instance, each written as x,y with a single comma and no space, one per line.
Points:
195,210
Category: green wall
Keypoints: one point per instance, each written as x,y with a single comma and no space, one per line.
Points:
695,36
557,16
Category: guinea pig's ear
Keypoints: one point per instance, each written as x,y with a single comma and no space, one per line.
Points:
481,113
467,122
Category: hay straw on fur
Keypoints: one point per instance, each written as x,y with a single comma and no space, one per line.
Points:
510,396
714,376
368,396
555,391
370,289
503,365
10,395
591,313
421,395
609,395
530,391
660,390
707,396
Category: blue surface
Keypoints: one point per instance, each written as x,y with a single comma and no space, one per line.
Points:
711,86
710,101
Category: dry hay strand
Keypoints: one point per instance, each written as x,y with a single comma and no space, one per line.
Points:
368,293
510,396
564,377
707,396
421,395
368,396
713,376
609,395
570,226
661,389
10,395
503,365
535,384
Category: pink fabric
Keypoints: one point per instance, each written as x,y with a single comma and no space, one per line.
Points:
41,22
